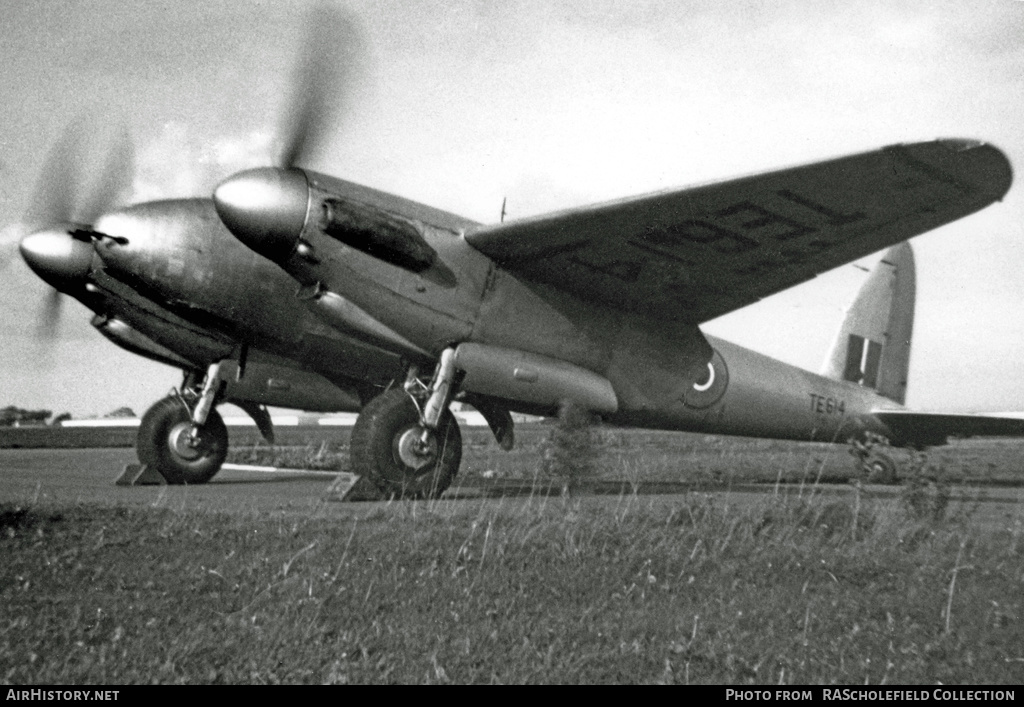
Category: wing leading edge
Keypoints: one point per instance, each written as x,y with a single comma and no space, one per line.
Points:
694,254
933,428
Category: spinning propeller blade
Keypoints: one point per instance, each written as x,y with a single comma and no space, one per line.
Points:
265,207
55,195
49,319
114,180
321,83
59,246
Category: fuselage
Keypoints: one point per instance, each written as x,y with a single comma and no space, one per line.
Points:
660,373
763,397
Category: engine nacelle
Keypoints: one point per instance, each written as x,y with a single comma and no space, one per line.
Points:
376,232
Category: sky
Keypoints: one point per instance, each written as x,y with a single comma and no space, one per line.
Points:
462,103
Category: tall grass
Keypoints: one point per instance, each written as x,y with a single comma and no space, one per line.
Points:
546,589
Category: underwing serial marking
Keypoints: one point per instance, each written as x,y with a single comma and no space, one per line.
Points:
746,226
737,229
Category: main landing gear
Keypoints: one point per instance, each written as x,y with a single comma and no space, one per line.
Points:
407,441
183,436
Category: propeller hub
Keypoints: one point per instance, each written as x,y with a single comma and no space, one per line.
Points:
265,208
59,258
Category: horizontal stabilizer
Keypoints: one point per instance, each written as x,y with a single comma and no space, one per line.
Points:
932,428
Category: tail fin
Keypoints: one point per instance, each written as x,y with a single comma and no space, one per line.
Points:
872,347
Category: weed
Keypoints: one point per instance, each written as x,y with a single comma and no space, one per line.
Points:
926,492
18,519
13,518
570,451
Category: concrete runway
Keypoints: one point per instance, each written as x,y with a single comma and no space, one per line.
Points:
69,476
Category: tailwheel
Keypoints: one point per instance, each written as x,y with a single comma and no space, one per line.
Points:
182,452
880,469
402,457
875,466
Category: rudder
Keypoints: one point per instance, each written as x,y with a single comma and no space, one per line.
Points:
872,347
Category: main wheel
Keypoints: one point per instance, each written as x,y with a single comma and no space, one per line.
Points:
389,447
165,443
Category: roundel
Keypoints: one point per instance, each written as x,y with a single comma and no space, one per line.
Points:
708,384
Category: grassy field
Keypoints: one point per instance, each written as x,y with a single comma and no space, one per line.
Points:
544,589
697,459
626,455
541,588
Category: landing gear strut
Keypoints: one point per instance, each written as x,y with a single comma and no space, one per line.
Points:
183,436
407,441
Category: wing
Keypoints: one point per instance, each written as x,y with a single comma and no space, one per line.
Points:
932,428
694,254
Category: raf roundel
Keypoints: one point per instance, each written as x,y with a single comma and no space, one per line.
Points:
709,384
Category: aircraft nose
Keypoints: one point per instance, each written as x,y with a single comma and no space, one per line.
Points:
265,208
58,257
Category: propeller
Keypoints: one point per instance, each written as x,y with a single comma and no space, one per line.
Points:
59,246
114,179
49,319
322,82
54,197
266,207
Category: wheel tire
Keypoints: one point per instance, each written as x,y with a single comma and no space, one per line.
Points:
880,469
380,448
157,444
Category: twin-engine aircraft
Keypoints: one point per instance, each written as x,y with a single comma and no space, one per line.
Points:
347,296
602,306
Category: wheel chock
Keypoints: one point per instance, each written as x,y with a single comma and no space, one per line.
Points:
343,486
139,475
